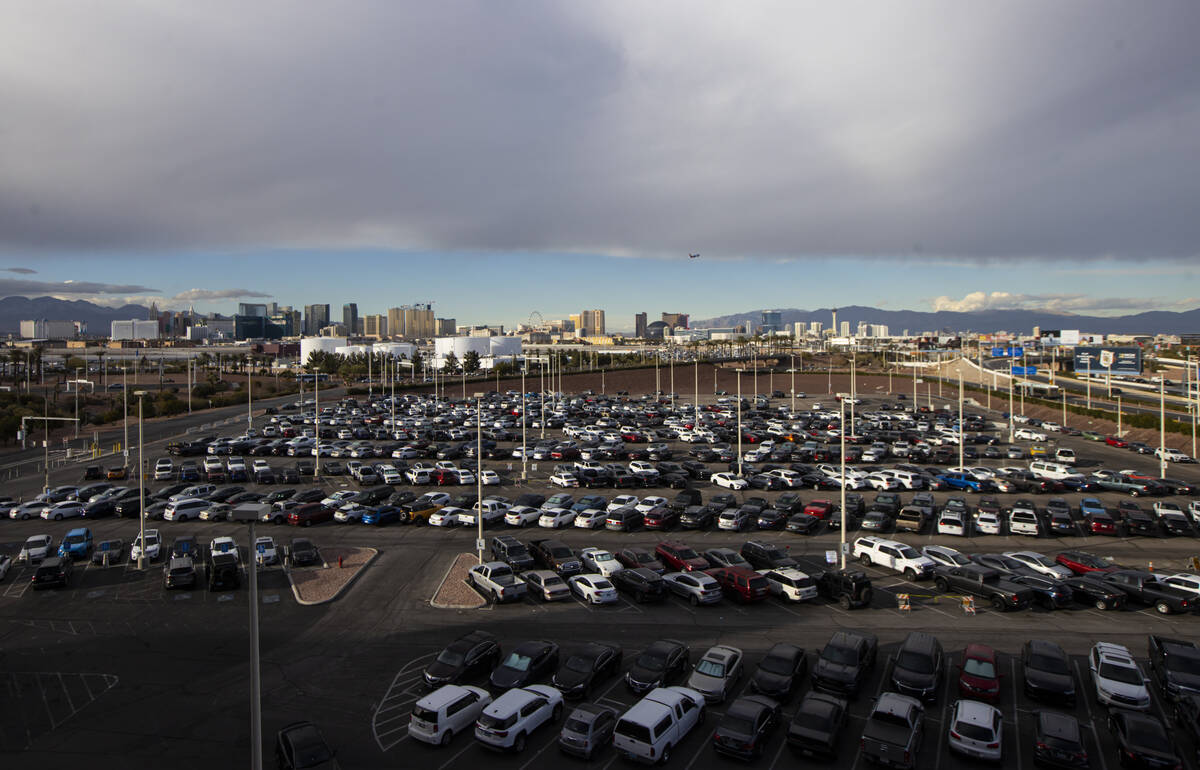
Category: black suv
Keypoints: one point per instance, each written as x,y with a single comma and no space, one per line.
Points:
179,572
223,572
917,670
53,572
511,551
303,552
645,584
849,588
845,662
762,555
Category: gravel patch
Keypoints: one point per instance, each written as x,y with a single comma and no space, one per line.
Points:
455,593
317,585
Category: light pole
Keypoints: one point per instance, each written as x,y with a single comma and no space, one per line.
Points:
961,432
1118,416
1011,427
125,408
671,363
1162,427
249,395
317,425
793,371
524,400
696,369
842,485
479,476
248,515
141,488
77,402
739,421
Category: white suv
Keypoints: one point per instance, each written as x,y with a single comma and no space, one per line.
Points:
893,555
1119,681
507,722
447,711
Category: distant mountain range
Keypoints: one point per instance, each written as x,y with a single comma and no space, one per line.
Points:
1022,321
14,310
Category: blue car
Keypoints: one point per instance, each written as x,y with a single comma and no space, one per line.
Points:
77,544
384,514
963,481
1090,505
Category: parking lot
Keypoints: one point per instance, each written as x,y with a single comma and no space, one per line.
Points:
113,661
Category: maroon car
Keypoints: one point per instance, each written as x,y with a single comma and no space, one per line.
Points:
1082,562
632,558
660,517
979,676
680,556
742,583
308,514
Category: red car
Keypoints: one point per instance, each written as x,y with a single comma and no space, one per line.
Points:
308,514
1120,443
680,556
660,517
822,509
742,583
1101,524
1082,562
979,677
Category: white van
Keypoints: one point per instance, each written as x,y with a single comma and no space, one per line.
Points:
182,510
1049,469
446,712
658,723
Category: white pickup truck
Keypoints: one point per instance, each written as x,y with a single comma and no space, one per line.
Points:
496,580
893,555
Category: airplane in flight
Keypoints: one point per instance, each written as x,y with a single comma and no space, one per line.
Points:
693,256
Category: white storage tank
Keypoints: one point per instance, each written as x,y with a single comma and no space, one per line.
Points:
325,344
395,349
504,347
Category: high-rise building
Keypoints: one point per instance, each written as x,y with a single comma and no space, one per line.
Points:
350,317
675,320
291,322
864,329
833,327
375,326
316,318
845,329
639,325
412,322
772,321
815,327
395,322
445,327
252,309
590,323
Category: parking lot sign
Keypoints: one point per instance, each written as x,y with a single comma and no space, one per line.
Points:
479,544
831,557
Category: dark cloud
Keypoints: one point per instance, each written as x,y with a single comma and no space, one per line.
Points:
217,294
11,287
20,270
934,129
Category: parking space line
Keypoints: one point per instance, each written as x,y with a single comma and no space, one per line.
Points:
459,753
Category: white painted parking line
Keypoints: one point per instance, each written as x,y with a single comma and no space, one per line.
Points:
458,754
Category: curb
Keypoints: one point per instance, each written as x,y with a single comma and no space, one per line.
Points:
481,602
340,591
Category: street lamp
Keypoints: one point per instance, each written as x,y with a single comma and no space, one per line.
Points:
249,514
842,485
141,488
249,396
739,421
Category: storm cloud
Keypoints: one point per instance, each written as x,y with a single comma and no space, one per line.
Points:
938,130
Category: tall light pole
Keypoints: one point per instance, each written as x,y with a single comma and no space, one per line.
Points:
1011,427
317,425
842,485
249,395
853,389
671,362
77,402
1118,416
249,515
141,488
961,431
793,371
1162,427
524,452
739,421
696,370
125,408
479,476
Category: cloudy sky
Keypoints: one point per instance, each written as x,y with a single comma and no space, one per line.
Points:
502,158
